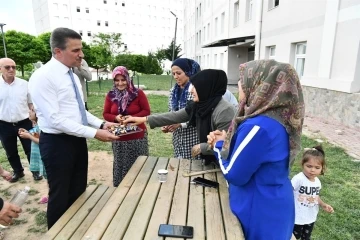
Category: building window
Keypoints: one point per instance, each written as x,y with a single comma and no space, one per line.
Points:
87,10
300,55
215,60
77,9
123,4
223,22
273,4
81,32
197,14
236,14
98,23
200,10
271,52
115,2
208,31
105,2
249,9
89,33
106,23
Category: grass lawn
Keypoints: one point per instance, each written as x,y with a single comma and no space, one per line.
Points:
152,82
341,182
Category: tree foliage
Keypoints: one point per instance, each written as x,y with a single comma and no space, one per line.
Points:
167,53
23,48
138,63
45,39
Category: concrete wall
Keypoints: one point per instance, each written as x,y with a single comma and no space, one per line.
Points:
328,104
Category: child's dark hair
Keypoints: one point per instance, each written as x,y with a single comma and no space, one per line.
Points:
316,152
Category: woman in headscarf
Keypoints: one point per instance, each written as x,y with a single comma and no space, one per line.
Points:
207,112
184,136
124,100
256,153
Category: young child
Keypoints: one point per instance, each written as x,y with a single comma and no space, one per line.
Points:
36,164
306,192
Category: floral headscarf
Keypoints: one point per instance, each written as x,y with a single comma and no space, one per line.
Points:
123,97
190,68
272,89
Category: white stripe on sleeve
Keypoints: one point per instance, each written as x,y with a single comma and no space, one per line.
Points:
242,145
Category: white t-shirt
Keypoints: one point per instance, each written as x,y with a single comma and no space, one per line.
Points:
306,196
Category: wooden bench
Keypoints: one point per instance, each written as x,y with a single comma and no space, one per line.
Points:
136,208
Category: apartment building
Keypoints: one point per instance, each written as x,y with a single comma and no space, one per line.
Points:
144,25
319,38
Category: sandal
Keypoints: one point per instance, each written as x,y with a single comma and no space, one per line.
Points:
43,200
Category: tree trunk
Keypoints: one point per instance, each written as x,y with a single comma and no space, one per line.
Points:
22,70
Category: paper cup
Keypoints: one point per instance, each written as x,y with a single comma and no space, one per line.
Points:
162,174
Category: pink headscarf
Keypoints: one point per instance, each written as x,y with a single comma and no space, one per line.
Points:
123,97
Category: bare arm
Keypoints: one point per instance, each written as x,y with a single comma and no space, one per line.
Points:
326,207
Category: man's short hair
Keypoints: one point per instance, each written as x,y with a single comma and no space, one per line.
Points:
60,36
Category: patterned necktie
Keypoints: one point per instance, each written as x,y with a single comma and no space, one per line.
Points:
79,100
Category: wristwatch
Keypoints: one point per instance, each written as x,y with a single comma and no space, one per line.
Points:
102,125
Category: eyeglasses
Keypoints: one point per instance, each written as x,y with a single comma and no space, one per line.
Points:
8,67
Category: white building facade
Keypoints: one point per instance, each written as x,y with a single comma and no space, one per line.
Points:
145,25
319,38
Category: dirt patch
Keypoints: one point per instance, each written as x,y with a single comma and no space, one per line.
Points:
31,224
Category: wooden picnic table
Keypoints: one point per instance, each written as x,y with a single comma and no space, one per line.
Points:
135,209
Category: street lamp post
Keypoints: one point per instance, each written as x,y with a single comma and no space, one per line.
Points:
2,32
174,44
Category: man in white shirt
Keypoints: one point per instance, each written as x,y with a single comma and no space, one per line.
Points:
84,74
64,122
15,103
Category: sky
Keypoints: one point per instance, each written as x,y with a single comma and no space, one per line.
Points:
18,15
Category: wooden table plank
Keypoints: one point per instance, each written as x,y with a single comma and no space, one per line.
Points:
119,223
195,216
140,220
94,212
98,227
179,206
81,214
214,223
162,206
65,218
233,230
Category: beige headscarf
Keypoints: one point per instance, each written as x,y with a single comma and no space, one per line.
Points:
272,89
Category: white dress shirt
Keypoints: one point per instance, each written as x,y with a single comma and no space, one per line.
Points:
14,100
55,101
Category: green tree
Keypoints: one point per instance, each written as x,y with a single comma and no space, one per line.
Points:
45,39
97,56
166,53
138,63
23,48
109,41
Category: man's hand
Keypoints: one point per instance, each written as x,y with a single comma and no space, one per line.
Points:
8,212
215,136
134,120
108,125
173,127
105,135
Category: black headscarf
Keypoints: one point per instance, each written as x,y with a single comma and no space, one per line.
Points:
210,85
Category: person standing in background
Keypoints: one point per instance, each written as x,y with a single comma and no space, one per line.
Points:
184,136
64,122
84,74
15,103
123,100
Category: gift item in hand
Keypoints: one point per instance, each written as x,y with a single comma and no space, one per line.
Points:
119,130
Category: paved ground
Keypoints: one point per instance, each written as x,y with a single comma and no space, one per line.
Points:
321,130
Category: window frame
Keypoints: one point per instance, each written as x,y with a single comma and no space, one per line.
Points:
300,56
236,14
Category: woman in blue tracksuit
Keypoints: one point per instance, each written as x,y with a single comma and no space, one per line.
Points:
256,153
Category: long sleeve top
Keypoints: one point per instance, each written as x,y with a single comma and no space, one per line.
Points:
257,170
139,107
